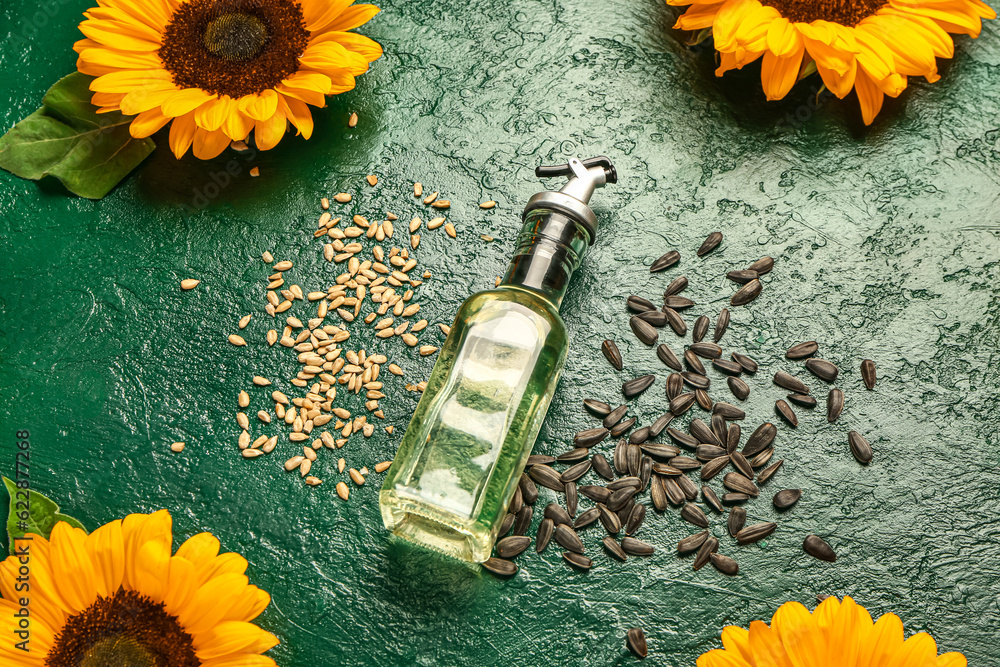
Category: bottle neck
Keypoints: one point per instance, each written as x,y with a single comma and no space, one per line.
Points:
549,249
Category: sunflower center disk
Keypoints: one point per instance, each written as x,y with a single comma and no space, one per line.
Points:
234,47
126,629
845,12
235,36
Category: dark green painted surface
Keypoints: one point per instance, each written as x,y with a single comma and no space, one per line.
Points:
887,247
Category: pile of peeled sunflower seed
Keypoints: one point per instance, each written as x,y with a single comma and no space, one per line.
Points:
645,465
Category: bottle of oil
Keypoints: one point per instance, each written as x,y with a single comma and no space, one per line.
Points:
463,453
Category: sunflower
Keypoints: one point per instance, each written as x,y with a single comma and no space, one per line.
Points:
215,70
118,597
837,633
871,46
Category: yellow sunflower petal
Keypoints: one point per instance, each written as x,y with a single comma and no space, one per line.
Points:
212,602
783,38
778,75
138,529
698,17
72,568
151,568
145,98
298,115
951,660
154,13
237,127
825,613
108,100
208,144
838,83
125,22
199,549
940,41
340,82
955,19
259,106
804,643
845,633
729,22
231,637
720,658
185,101
45,605
911,55
331,56
920,650
352,17
241,661
211,115
95,62
737,640
367,48
180,585
869,96
884,640
766,647
39,635
126,80
104,546
318,15
109,35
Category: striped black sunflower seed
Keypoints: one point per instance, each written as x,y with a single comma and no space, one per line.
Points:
700,328
709,452
578,561
586,518
693,514
755,533
802,350
547,477
633,455
760,439
576,471
748,364
629,482
665,261
805,400
602,467
739,388
786,498
675,321
696,380
529,492
741,464
762,265
596,408
620,497
684,463
516,501
506,524
609,520
703,434
720,427
643,330
677,302
747,293
693,363
675,386
668,357
660,451
692,542
728,411
637,304
868,373
762,458
614,549
725,564
791,383
706,350
573,455
544,534
834,404
680,404
665,469
817,547
522,520
860,448
645,472
737,519
711,499
540,460
742,277
687,487
660,423
728,367
823,369
676,286
733,498
635,518
512,546
621,428
567,538
615,416
733,437
674,494
721,324
713,467
557,513
708,547
768,472
619,459
734,481
590,437
636,640
710,243
654,317
598,494
634,547
501,567
657,494
786,411
633,388
612,354
703,399
682,439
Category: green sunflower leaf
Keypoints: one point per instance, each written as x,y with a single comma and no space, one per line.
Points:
90,153
31,512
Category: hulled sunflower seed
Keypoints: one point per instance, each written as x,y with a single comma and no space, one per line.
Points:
734,481
500,566
614,549
677,285
834,404
578,561
675,321
586,518
823,369
713,467
725,564
692,542
665,261
710,243
189,283
596,408
643,330
767,473
615,416
791,383
737,519
544,534
755,533
868,373
786,411
675,386
742,277
860,448
693,514
700,328
612,354
802,350
721,324
512,546
786,498
634,547
681,403
760,439
602,467
633,388
738,387
805,400
747,293
708,547
817,547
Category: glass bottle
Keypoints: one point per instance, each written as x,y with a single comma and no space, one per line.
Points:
461,458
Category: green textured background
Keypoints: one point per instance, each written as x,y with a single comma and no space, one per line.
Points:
887,243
